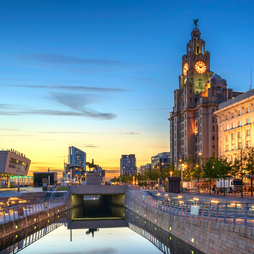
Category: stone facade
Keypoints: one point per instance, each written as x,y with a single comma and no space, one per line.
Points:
236,126
193,127
207,236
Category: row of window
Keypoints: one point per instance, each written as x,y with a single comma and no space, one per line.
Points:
238,146
238,113
234,124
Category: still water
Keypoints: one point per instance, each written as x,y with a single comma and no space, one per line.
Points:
98,229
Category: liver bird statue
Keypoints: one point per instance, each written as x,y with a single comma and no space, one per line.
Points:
195,22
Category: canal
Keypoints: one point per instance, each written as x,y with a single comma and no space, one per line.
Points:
97,229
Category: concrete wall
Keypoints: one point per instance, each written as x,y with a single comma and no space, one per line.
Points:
209,237
97,189
115,200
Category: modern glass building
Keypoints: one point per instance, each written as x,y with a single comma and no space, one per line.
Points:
77,157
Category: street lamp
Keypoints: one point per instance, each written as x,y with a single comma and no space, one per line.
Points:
160,180
200,154
18,180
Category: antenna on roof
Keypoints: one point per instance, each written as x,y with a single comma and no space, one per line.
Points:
250,78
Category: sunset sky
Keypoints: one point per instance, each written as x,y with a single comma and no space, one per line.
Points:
100,74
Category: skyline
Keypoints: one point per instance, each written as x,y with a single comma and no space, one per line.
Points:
100,76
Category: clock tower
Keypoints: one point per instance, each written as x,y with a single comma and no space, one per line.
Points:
195,64
193,126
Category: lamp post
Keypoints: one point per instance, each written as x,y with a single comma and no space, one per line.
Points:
160,180
18,180
200,154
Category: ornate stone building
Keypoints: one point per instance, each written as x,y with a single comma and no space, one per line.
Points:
193,127
236,126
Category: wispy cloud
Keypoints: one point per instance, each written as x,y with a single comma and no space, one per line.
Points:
90,146
151,109
8,129
112,171
70,60
72,88
76,103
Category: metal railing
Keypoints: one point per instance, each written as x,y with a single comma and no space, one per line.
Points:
232,213
21,211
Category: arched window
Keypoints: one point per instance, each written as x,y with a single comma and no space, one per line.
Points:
196,127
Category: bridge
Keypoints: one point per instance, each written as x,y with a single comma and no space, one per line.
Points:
112,194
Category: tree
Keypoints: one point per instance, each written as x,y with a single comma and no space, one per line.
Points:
189,167
249,166
238,170
209,170
197,172
224,169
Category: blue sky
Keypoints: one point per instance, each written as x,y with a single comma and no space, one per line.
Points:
100,75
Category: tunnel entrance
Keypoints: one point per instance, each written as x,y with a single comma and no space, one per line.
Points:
99,207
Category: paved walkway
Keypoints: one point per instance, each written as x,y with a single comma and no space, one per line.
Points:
13,192
203,197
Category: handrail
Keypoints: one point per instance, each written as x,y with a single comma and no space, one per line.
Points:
21,211
232,213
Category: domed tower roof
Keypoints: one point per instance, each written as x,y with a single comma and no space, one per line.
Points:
216,77
195,33
195,30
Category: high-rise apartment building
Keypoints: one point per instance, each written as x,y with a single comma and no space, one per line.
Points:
193,127
77,157
128,165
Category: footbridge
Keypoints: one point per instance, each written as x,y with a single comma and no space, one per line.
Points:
112,194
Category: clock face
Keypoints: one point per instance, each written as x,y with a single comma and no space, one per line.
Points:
200,67
185,69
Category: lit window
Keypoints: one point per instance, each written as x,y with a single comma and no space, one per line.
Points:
239,112
248,110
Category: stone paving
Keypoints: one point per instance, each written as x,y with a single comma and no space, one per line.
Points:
203,197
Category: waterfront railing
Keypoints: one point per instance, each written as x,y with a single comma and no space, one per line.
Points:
232,213
21,211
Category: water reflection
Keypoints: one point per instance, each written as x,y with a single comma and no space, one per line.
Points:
72,233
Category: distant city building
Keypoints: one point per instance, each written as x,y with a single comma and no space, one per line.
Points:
193,127
12,163
77,157
76,167
235,122
160,160
128,165
44,178
144,168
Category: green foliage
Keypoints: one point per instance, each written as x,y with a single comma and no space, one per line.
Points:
224,168
209,168
249,162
